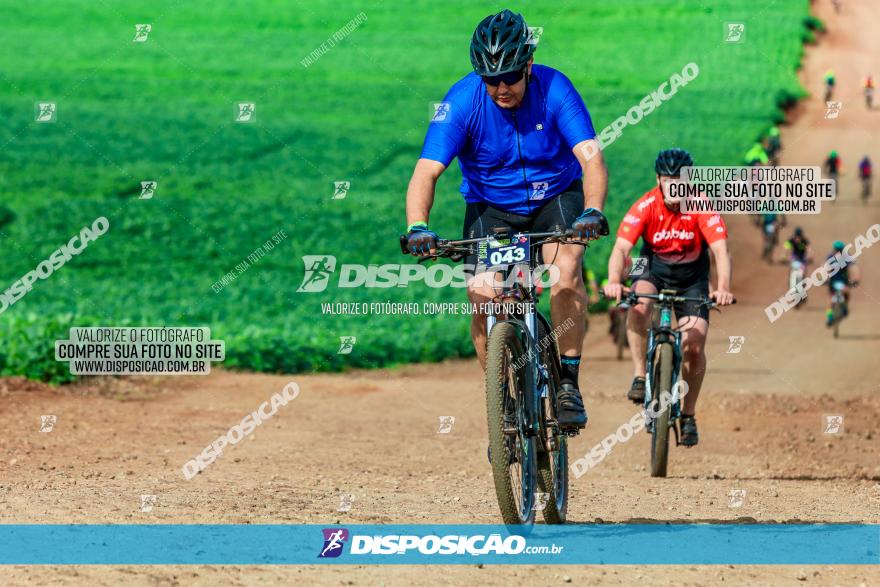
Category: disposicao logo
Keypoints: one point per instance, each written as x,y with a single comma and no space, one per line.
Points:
319,268
334,540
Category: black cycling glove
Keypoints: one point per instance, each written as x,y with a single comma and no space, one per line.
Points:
590,224
420,240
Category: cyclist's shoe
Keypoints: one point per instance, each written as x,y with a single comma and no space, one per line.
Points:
570,412
829,318
636,393
689,436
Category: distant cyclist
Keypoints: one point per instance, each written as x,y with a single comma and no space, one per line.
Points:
865,172
756,155
798,247
774,145
868,85
829,84
833,167
771,223
847,275
799,257
520,132
677,248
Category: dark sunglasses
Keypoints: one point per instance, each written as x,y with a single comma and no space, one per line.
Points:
509,78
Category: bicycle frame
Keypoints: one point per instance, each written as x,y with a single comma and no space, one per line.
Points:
523,292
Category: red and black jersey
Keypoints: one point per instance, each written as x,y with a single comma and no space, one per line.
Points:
675,243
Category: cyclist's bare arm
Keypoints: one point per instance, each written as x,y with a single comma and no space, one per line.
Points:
420,193
595,173
722,272
617,268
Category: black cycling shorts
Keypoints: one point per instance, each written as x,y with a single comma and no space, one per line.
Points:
558,213
694,289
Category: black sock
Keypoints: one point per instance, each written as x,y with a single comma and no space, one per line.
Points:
683,415
570,367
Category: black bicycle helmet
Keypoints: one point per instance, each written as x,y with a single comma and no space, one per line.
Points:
499,44
670,162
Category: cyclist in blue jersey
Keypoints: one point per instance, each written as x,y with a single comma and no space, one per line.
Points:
530,162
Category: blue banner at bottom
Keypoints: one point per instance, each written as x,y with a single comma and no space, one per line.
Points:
610,544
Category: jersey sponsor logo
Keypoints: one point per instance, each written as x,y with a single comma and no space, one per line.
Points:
629,218
539,190
714,220
665,235
647,203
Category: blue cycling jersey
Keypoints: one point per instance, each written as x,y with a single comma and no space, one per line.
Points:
512,159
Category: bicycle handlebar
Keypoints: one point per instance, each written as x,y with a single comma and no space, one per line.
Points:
632,298
458,249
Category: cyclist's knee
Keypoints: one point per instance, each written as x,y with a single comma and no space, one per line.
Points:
693,346
568,283
481,287
639,313
693,352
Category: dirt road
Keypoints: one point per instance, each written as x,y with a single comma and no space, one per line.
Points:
374,434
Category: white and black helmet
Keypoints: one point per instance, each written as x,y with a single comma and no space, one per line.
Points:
499,44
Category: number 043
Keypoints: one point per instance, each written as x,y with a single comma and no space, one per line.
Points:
509,256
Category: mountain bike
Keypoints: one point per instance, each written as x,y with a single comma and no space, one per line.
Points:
869,97
528,449
796,271
834,176
771,239
839,305
663,366
866,189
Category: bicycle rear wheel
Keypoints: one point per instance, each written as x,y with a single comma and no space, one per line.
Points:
767,252
512,452
660,432
837,313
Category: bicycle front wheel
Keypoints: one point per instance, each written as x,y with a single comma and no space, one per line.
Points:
552,463
660,433
512,452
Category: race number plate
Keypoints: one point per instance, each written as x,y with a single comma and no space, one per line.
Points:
505,251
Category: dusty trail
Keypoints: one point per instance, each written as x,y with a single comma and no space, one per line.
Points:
374,434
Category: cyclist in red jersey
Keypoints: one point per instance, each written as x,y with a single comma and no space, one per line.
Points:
677,248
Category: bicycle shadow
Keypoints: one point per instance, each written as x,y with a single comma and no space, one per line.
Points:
741,520
859,336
